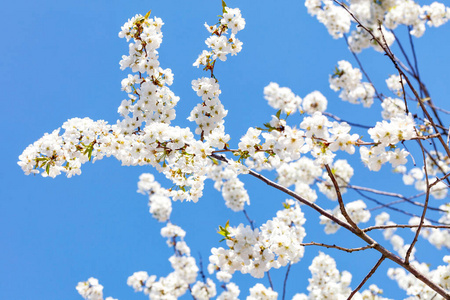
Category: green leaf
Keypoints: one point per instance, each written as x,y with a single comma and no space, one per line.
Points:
224,230
47,169
223,7
90,152
278,114
148,14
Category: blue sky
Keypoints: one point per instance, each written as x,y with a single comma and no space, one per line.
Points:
60,59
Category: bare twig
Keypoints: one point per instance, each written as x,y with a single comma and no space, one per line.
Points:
202,274
341,202
270,280
389,194
367,277
404,226
249,220
422,218
341,120
285,281
349,250
362,69
416,64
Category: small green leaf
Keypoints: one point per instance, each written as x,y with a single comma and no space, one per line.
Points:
224,5
148,14
278,114
224,230
90,152
47,169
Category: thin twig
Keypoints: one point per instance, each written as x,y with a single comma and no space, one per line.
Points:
202,274
285,281
341,202
416,64
389,194
270,280
341,120
362,69
349,250
367,277
413,73
405,226
249,220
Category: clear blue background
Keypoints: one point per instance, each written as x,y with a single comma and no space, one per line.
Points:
60,59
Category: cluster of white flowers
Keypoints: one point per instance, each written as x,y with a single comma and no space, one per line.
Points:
410,13
57,153
301,173
282,143
361,39
348,80
282,98
375,15
91,290
376,156
226,180
204,290
334,17
416,176
218,42
177,282
328,283
392,108
323,140
159,203
399,128
231,292
415,288
356,210
388,134
260,292
209,114
150,100
394,84
255,251
313,102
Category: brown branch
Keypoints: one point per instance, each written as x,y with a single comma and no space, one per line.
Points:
349,250
367,277
404,226
341,202
427,197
